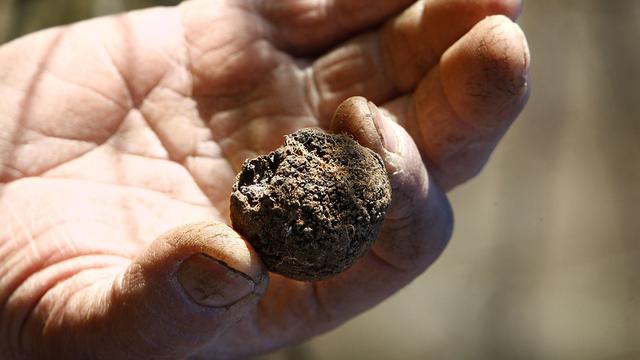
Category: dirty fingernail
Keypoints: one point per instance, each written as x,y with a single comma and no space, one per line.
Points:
387,135
210,282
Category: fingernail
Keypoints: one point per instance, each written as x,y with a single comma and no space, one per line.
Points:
210,282
387,135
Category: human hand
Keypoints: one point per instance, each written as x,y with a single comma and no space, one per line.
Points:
117,131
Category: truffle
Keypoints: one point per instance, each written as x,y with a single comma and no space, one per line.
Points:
312,207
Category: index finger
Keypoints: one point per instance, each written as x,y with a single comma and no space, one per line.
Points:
417,226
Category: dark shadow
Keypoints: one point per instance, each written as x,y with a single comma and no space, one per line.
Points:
32,15
137,4
19,13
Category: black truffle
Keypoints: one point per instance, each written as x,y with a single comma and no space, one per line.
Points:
312,207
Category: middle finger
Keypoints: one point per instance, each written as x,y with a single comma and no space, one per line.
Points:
385,63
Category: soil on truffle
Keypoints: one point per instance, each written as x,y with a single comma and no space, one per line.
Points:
312,207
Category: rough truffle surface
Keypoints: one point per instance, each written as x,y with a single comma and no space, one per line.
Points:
312,207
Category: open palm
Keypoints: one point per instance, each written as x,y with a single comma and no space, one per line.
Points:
118,130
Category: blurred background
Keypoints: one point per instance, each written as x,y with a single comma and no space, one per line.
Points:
545,259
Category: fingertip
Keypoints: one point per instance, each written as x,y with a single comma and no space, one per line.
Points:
212,283
485,74
211,239
216,266
370,127
190,284
227,246
209,262
388,135
354,117
417,206
350,109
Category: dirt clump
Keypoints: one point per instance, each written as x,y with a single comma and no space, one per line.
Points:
312,207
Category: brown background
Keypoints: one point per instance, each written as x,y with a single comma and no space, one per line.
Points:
545,259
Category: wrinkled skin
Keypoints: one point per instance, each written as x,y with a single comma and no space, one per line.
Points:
117,130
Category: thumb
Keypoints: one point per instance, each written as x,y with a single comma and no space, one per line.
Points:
419,220
186,288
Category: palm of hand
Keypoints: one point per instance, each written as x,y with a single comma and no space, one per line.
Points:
123,161
159,123
156,122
